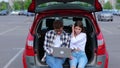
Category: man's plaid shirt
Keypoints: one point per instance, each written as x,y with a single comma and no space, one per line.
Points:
50,36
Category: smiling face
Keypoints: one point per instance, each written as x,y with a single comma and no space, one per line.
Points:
59,31
58,26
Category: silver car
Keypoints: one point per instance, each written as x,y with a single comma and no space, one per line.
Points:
105,16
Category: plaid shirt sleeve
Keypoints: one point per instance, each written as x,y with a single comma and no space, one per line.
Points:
47,42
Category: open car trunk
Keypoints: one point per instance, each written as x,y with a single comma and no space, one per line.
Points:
38,6
46,24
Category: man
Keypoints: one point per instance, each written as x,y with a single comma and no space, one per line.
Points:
55,38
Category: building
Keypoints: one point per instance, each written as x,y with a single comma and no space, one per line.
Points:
113,2
102,2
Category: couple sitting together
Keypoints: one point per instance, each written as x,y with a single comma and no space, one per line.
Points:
76,41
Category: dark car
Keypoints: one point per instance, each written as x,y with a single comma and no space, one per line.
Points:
68,11
4,12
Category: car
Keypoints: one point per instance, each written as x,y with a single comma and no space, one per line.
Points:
14,12
105,15
116,13
30,14
4,12
22,12
68,11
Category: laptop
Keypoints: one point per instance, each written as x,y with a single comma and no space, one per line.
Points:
61,52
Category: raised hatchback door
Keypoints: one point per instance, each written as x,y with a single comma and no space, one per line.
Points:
43,5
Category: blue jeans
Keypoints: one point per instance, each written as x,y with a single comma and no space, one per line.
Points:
79,58
54,62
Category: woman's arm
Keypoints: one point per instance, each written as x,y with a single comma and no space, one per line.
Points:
78,39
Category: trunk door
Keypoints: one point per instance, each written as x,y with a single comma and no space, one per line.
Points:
44,5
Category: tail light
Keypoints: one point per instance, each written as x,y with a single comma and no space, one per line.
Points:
101,45
29,45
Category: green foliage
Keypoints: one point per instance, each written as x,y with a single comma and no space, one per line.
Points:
118,1
3,5
118,4
107,5
26,4
21,5
18,5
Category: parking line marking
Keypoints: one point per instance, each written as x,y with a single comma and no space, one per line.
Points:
7,65
8,30
106,30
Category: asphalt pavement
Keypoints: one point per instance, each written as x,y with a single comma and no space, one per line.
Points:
13,33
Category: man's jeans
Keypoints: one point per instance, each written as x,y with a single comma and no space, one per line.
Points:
54,62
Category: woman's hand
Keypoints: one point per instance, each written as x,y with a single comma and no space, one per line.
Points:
72,30
71,57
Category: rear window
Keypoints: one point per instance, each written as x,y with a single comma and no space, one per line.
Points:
68,5
56,3
67,21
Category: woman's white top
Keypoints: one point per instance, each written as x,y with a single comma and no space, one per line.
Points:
78,42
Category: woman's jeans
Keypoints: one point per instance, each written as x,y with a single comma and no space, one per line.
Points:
79,58
54,62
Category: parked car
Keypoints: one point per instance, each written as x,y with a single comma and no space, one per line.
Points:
30,14
67,11
105,16
116,13
22,12
4,12
14,12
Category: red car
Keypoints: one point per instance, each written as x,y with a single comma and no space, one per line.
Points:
68,11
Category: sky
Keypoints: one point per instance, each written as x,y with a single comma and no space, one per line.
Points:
4,0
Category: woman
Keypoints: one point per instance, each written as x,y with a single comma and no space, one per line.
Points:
77,44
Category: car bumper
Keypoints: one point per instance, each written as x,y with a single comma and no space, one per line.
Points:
30,61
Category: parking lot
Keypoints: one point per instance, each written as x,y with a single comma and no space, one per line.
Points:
13,33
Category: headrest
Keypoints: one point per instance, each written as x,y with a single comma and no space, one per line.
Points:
76,19
49,23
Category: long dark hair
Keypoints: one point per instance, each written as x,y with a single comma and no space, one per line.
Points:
80,24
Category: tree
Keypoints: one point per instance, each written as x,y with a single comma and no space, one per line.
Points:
118,4
27,3
3,5
17,5
107,5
